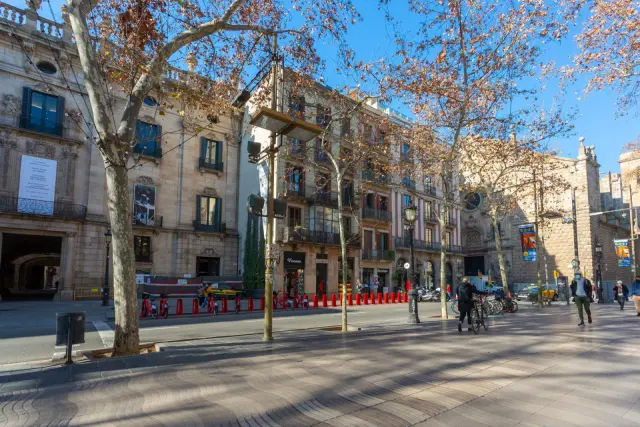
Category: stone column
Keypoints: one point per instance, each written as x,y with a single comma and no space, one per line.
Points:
67,261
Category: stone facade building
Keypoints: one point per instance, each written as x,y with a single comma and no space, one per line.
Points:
53,214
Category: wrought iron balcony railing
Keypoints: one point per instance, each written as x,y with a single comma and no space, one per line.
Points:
304,235
40,207
378,255
452,221
377,178
293,190
430,190
146,223
430,218
376,214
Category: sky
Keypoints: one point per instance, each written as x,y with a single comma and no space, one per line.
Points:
596,122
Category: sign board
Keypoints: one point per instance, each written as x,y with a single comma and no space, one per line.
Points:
528,242
263,177
182,281
556,274
406,265
622,252
294,260
187,275
37,185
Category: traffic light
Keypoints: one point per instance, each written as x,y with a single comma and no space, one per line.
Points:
254,149
255,204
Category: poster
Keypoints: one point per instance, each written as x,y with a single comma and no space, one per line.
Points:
622,252
144,205
37,185
528,242
263,176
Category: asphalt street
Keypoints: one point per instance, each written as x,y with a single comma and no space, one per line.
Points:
27,329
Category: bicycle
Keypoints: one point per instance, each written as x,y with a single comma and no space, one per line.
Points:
212,305
510,306
478,315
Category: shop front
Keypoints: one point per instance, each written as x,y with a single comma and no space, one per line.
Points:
293,273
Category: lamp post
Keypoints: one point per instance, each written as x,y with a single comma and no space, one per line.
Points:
598,249
410,218
105,288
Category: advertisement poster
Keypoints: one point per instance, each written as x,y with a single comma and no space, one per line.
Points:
528,242
37,185
263,176
622,252
144,205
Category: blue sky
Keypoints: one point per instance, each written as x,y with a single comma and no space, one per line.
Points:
371,40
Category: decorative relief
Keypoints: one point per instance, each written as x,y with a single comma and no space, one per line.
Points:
148,119
208,252
10,104
146,180
208,191
42,87
41,149
8,138
69,152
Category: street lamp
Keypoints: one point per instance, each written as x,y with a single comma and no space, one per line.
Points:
410,219
105,288
598,249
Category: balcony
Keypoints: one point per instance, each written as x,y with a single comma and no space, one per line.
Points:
209,228
455,249
321,156
321,196
304,235
62,210
150,152
430,218
293,190
295,150
204,164
376,178
430,190
378,255
452,221
376,214
409,184
142,223
406,158
419,245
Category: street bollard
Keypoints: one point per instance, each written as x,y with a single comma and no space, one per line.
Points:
250,307
358,300
393,297
195,307
333,300
373,299
366,299
179,309
225,305
399,299
315,301
324,301
386,298
262,303
406,297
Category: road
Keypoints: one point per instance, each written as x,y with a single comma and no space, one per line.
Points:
27,330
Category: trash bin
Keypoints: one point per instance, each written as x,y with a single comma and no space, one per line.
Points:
76,321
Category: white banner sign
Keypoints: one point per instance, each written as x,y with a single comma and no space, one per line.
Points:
263,176
37,185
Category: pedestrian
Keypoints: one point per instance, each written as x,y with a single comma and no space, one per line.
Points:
358,286
581,291
635,293
465,302
448,291
621,293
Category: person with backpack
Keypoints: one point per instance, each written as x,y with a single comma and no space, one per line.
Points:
620,293
581,291
465,301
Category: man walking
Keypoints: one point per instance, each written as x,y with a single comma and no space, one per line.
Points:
465,302
635,294
620,293
581,291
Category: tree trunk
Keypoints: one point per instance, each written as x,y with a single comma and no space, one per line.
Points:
501,262
343,252
125,299
443,263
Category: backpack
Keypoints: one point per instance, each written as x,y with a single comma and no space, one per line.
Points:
463,293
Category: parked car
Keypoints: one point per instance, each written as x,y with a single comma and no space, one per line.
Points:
223,289
547,294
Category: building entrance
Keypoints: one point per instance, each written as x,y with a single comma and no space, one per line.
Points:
29,266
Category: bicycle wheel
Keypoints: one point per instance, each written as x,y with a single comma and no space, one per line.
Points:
454,307
475,321
484,318
514,306
166,313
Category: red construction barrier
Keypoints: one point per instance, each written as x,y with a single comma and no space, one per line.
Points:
406,297
195,307
250,307
146,308
379,298
399,299
393,297
225,305
333,300
350,300
386,298
324,301
366,299
358,300
262,304
315,300
179,309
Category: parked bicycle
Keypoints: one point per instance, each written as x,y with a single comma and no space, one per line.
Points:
478,315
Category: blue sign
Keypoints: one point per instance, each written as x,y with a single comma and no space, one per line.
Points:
528,242
622,253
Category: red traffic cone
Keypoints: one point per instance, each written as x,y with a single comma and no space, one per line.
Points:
333,300
315,300
324,301
366,299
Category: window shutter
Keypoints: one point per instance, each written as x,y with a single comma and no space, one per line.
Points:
158,138
203,148
60,116
198,219
218,214
218,152
26,104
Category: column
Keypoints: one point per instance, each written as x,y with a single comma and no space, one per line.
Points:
65,292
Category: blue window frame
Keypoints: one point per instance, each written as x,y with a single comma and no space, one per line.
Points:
42,112
406,201
209,212
210,154
295,179
148,139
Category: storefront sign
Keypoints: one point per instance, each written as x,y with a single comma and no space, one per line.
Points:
37,185
383,270
294,260
622,252
528,242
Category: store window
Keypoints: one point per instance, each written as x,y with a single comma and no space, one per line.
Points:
142,248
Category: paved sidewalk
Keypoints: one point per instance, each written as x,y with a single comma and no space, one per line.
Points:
535,368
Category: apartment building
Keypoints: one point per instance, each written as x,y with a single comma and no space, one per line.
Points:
53,214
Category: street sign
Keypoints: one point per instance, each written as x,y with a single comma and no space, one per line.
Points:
406,265
556,274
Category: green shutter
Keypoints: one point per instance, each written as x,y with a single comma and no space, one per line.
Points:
158,152
198,219
60,116
218,214
26,104
218,152
203,148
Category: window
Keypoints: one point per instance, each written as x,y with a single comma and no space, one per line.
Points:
296,147
209,212
47,67
406,201
428,210
367,132
150,101
295,180
345,128
321,155
297,106
148,139
42,112
384,204
346,222
384,241
347,192
295,217
405,149
142,248
323,183
449,239
323,116
206,266
472,201
210,153
428,235
323,219
370,201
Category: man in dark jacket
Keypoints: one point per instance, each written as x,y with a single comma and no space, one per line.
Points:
581,291
620,293
465,301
